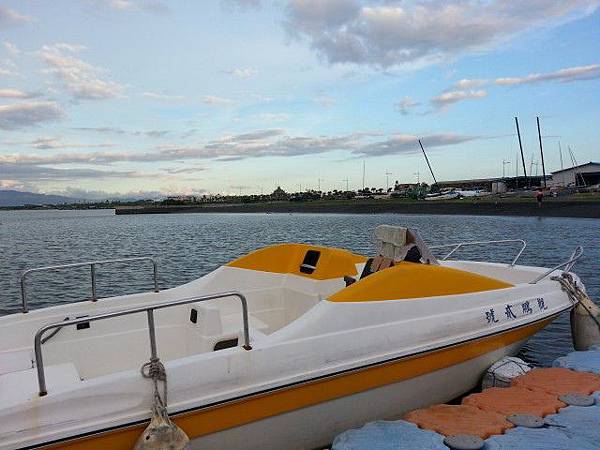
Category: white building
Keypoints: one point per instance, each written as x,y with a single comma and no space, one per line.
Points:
583,175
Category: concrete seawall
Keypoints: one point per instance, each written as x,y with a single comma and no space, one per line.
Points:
550,208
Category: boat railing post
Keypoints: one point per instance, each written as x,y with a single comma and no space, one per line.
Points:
24,305
452,251
566,266
152,334
39,362
155,273
93,273
572,260
516,258
242,298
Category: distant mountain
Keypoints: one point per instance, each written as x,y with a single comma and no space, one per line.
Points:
18,198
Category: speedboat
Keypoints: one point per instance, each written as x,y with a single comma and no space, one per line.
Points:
475,193
284,347
444,195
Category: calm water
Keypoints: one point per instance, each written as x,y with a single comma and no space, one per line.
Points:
190,245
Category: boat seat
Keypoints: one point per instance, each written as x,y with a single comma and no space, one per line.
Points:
254,335
410,253
375,265
231,324
23,384
398,243
17,360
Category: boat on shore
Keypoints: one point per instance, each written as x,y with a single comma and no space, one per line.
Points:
444,195
284,347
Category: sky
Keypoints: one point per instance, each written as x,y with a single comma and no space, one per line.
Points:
143,98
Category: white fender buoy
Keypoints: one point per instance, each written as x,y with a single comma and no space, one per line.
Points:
585,315
162,434
585,324
501,373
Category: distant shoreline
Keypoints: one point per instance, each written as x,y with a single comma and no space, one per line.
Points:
552,207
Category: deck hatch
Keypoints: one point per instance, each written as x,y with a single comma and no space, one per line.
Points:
82,325
309,263
227,343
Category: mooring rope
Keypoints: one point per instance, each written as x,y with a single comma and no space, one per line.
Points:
161,433
575,293
155,370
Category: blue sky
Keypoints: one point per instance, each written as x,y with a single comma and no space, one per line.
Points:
119,96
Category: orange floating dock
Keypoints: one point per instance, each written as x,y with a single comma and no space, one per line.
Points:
450,420
515,400
558,381
485,415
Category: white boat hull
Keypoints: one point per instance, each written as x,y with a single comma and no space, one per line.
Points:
324,356
316,426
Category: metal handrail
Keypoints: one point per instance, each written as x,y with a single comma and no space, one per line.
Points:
39,361
502,241
568,265
92,265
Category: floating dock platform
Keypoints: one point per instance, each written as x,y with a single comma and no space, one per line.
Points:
554,408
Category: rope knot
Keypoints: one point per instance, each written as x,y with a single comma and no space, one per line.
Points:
154,369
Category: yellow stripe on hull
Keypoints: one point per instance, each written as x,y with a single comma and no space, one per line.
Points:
213,419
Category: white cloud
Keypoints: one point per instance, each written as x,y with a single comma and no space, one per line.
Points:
121,131
153,6
180,170
569,74
51,143
20,115
254,135
158,96
564,75
16,185
26,174
272,117
10,17
11,48
463,89
405,105
469,84
408,143
151,133
213,100
242,73
107,130
262,97
15,93
65,47
384,34
77,192
326,101
5,72
82,80
451,97
243,5
256,144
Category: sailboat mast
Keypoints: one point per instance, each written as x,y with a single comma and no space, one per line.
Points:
562,166
522,155
427,160
363,184
541,150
